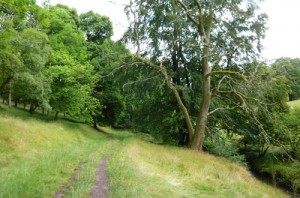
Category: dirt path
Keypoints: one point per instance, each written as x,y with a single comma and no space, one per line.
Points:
61,192
100,189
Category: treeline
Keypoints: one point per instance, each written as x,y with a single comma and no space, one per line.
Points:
54,59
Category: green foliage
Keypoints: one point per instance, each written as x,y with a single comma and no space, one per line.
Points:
282,172
287,131
113,104
97,28
221,144
173,35
289,68
72,85
64,33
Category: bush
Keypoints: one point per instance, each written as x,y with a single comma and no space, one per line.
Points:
224,147
283,173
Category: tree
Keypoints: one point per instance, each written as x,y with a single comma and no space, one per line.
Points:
25,49
97,28
68,67
222,38
105,55
289,68
33,50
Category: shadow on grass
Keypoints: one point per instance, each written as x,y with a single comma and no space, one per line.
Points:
71,123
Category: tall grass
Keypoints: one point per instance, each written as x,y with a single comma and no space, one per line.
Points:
38,156
141,169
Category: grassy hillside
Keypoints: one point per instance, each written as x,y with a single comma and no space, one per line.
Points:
38,156
294,103
142,169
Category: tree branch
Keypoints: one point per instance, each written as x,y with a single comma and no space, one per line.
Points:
162,70
218,87
219,109
186,10
229,72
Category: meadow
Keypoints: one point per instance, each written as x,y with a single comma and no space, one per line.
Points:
38,156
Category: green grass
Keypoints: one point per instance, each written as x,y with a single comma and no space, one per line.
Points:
142,169
38,156
294,103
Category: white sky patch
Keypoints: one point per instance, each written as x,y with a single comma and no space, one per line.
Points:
283,34
282,37
114,9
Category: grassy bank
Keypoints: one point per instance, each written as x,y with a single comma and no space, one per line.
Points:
37,156
294,103
142,169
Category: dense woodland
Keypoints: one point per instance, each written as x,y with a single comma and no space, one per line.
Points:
193,76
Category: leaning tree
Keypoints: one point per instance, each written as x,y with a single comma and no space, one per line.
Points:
202,45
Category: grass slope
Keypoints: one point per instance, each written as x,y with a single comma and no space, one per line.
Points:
294,103
37,157
142,169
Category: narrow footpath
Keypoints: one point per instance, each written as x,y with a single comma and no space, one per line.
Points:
100,189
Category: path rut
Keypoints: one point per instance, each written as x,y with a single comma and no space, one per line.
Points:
100,189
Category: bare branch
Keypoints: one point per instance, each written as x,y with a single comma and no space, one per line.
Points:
137,81
122,67
219,109
162,70
229,72
201,22
218,86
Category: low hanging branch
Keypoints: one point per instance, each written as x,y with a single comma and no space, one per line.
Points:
162,70
227,72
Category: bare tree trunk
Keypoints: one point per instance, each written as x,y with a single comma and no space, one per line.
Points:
199,136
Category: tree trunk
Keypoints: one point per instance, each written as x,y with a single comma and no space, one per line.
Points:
32,108
199,136
9,94
95,123
16,102
200,128
56,115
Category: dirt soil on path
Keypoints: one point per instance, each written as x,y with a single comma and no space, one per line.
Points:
100,189
61,192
